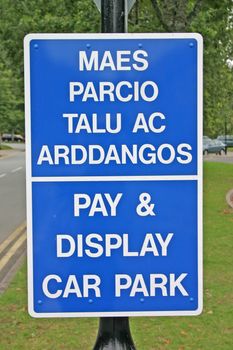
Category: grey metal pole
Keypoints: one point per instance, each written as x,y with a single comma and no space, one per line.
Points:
113,16
114,332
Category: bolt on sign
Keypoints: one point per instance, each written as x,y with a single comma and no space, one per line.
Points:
114,174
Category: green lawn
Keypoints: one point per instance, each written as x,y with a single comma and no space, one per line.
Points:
212,330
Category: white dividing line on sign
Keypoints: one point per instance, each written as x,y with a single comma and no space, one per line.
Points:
2,175
16,169
113,178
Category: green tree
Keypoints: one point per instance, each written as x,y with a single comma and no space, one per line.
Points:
176,15
214,20
10,119
21,17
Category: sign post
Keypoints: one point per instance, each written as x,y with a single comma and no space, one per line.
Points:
114,174
113,16
114,333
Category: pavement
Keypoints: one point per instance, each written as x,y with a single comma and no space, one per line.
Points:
228,158
5,153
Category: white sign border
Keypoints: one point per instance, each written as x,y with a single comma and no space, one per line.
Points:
29,179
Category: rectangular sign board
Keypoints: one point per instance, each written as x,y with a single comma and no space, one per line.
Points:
114,174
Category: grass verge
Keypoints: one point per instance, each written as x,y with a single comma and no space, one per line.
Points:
5,147
212,330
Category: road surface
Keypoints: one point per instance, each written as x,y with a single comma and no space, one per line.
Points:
12,192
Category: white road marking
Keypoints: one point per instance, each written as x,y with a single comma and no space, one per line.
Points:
2,175
17,169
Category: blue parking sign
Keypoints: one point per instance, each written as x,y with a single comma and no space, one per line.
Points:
114,174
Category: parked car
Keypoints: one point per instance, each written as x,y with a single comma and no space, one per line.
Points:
16,138
206,138
228,140
205,145
213,146
6,137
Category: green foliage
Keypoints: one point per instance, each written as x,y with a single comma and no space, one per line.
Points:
216,25
19,18
10,118
212,18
